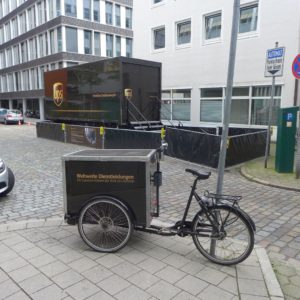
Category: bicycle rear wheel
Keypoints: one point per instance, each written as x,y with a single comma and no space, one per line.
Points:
105,225
231,243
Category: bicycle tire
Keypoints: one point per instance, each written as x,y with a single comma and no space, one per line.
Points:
237,241
105,225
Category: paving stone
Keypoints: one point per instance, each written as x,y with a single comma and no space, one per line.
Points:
229,284
54,268
133,292
246,287
134,256
42,260
67,278
110,260
291,290
143,279
82,290
13,264
52,292
69,256
97,274
184,296
113,284
211,275
213,292
249,272
100,296
163,290
176,260
82,264
23,273
251,297
159,253
170,274
18,296
8,288
152,265
125,269
3,276
35,283
191,285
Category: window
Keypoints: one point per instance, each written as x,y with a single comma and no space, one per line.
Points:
261,97
176,105
31,17
97,48
7,31
52,43
118,15
18,81
97,10
71,39
70,8
24,52
26,85
1,35
14,25
10,83
128,47
240,105
23,23
87,42
59,39
118,45
39,13
213,26
32,48
248,18
87,9
109,45
183,32
9,57
211,105
108,13
159,38
128,18
42,47
51,10
16,55
58,8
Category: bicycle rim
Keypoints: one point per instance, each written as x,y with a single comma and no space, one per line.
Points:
105,225
234,242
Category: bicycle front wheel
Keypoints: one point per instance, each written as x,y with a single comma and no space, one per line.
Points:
228,241
105,225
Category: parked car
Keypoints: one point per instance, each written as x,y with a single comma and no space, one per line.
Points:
11,116
7,179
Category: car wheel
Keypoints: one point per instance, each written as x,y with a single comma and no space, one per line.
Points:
11,182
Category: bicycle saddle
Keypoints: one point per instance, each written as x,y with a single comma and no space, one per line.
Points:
200,175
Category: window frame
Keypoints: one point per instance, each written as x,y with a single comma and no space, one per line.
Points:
153,39
216,39
252,33
184,45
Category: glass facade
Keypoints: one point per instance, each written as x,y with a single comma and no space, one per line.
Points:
109,45
97,10
118,45
128,18
71,8
87,9
128,47
108,13
118,15
97,48
71,39
87,42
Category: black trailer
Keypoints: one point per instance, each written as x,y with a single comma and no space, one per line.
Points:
117,92
122,186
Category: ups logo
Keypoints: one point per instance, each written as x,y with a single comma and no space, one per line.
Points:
58,93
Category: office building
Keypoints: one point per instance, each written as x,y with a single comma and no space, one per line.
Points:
41,35
192,38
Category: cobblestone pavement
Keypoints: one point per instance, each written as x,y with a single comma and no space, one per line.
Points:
54,263
38,192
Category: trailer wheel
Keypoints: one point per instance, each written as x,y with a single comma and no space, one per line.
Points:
105,224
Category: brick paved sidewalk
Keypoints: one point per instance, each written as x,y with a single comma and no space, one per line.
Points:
54,263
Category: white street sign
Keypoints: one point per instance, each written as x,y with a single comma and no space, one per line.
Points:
274,62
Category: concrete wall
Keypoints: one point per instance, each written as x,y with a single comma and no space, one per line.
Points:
205,64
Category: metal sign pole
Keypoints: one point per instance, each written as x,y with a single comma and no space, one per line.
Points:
267,151
227,105
271,104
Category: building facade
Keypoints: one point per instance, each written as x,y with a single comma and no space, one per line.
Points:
192,38
41,35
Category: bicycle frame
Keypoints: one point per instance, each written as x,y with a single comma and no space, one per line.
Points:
213,221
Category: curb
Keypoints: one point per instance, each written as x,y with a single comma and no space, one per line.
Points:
13,226
273,286
257,180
